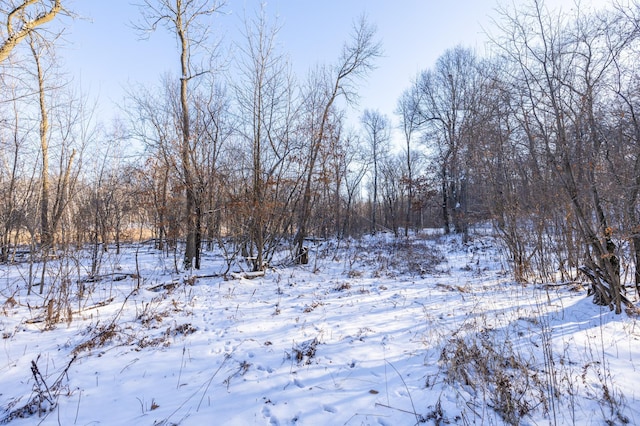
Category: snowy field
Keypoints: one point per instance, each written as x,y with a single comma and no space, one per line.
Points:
372,332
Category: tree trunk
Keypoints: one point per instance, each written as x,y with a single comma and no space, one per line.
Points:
409,194
305,210
46,235
192,250
356,60
445,201
374,204
636,252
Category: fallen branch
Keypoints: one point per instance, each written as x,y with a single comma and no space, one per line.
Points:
117,276
40,319
164,286
197,277
96,305
562,284
247,275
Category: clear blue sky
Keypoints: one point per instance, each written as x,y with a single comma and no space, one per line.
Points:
106,55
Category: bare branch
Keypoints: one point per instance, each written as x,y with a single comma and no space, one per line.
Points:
20,24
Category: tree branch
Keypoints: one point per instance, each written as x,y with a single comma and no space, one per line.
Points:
28,25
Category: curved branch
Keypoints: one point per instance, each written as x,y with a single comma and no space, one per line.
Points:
27,25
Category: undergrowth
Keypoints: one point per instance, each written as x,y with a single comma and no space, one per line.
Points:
517,373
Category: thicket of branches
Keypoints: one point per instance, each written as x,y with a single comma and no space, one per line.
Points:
540,136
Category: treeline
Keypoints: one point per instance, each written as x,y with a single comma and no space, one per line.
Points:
243,156
542,136
539,135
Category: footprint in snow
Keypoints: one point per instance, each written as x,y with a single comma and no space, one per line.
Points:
261,367
330,409
266,413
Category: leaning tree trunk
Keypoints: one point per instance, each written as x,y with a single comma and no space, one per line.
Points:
603,270
602,264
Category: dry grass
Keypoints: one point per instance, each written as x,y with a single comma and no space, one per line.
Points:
416,257
510,383
304,352
44,398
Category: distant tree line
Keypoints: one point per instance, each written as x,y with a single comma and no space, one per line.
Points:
540,137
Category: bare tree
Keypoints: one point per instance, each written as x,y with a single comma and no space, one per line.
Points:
17,186
391,171
184,19
326,85
377,135
446,96
46,235
22,20
214,123
152,123
623,153
563,74
409,112
353,167
265,98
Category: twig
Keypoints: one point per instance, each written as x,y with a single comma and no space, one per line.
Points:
78,407
108,329
379,404
226,357
44,392
208,383
408,393
181,365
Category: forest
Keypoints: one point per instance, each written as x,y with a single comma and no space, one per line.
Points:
538,137
238,224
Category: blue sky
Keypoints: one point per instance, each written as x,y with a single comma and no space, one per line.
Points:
105,55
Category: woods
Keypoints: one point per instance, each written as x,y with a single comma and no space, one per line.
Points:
539,137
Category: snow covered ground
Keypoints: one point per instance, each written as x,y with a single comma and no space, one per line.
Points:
373,332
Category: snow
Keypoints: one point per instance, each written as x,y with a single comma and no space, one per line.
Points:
381,331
